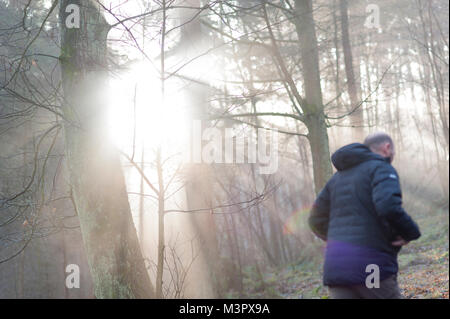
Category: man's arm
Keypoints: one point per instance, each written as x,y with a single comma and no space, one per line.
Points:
387,198
320,213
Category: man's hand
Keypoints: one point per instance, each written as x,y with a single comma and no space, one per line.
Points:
399,242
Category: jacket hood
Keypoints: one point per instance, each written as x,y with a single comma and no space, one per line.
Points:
352,155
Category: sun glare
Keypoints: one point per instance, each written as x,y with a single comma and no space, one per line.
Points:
139,115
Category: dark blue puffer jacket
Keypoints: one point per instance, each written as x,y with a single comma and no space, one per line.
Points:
359,213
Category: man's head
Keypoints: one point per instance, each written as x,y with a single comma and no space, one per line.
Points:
382,144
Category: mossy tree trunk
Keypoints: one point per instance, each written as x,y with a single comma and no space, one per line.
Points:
96,179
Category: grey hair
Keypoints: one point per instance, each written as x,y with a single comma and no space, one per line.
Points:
374,140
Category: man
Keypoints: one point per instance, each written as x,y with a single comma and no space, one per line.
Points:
359,213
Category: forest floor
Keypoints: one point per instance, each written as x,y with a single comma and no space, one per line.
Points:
423,267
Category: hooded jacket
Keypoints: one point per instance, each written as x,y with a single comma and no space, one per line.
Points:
359,213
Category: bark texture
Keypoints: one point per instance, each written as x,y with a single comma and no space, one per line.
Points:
96,178
314,117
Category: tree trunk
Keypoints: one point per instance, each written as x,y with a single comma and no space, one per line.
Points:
161,233
318,142
98,186
314,114
356,118
199,177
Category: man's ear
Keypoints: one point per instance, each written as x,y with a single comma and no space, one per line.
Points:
388,146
